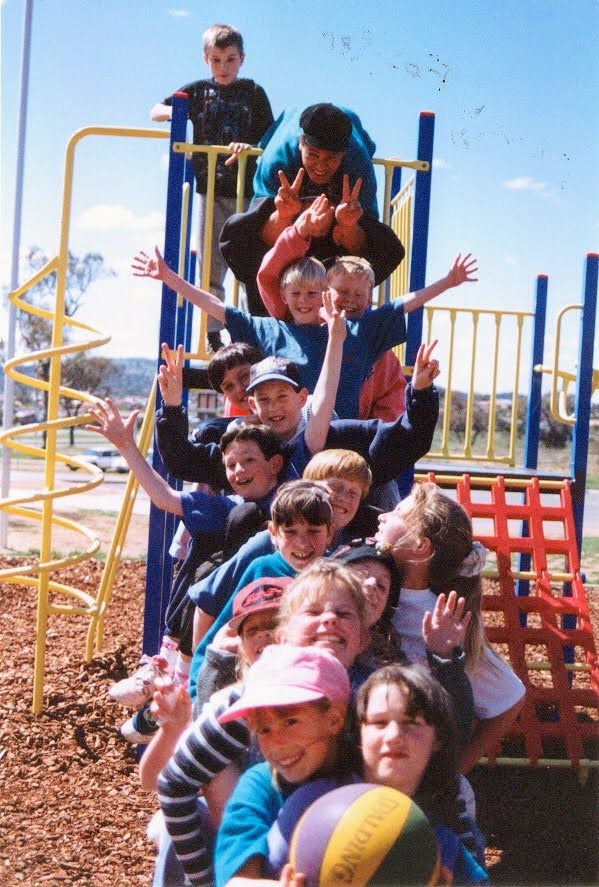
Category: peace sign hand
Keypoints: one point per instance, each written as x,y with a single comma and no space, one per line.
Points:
426,369
349,212
287,201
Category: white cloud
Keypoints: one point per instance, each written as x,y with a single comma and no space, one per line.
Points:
510,260
524,183
117,217
440,163
179,13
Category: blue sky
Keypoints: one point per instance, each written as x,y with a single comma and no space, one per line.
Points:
513,86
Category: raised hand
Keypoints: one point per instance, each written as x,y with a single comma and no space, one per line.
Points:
287,201
462,270
316,219
335,320
171,705
111,424
144,266
170,376
235,148
349,212
290,878
426,369
445,628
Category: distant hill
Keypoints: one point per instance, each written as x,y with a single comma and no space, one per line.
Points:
134,377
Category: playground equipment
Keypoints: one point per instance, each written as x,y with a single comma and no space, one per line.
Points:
526,601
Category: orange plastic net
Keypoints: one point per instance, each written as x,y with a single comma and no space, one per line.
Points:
536,615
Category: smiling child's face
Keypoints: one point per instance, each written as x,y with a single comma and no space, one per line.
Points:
304,301
327,618
250,474
297,740
235,381
278,406
396,747
351,293
300,543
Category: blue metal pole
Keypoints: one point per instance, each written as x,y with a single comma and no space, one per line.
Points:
422,202
584,390
162,525
533,412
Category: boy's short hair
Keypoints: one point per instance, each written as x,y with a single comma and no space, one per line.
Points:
320,574
353,265
221,36
306,270
264,437
301,499
233,355
343,464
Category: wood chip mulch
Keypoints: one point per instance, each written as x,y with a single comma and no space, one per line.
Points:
72,811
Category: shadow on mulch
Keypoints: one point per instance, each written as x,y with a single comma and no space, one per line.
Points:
541,824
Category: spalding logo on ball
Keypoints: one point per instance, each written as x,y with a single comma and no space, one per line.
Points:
365,834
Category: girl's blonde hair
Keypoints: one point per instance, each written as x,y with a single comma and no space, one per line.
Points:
316,579
306,270
344,464
448,527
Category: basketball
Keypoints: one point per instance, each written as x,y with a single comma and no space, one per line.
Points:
364,834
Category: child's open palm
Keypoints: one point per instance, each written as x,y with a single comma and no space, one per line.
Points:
144,266
445,628
426,368
462,270
315,221
171,705
111,424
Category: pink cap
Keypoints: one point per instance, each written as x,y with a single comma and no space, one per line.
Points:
288,675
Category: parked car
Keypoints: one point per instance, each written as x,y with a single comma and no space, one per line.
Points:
106,458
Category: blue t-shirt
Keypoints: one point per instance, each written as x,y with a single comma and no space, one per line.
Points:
253,809
367,339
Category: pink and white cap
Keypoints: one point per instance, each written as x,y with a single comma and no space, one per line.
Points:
289,675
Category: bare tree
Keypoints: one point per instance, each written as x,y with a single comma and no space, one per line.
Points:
36,332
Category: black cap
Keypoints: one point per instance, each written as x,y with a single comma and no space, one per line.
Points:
325,126
274,369
363,550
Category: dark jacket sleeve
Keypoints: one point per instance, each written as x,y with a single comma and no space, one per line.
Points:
391,447
452,676
200,463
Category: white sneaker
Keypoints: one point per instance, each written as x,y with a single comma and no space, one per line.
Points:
140,727
155,827
139,687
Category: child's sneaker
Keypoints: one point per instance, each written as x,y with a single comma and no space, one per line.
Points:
141,727
155,828
139,688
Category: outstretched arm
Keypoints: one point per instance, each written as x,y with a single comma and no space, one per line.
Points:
461,272
120,433
325,391
171,708
161,112
156,268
